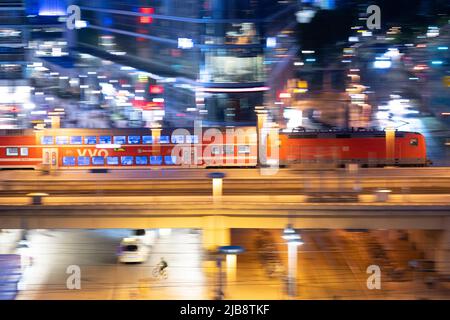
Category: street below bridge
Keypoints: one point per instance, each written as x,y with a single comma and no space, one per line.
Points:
331,265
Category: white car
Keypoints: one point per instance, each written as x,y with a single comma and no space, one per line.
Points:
132,250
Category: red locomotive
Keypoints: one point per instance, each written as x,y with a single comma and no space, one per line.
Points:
204,147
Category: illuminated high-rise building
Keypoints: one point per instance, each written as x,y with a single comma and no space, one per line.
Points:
221,57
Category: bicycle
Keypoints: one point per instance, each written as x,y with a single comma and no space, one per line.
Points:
158,273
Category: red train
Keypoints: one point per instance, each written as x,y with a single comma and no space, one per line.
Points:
205,147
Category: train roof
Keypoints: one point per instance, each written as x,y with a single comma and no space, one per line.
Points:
108,131
296,133
342,133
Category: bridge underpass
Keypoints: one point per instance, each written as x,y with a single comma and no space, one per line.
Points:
217,219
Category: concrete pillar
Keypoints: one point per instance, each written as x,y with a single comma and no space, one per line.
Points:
442,256
217,188
215,233
217,185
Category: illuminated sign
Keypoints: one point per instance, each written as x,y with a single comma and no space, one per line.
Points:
92,152
271,42
146,20
185,43
156,89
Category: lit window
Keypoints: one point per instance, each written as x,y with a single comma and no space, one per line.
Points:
68,161
105,140
47,140
90,140
134,139
112,161
191,139
12,151
141,160
216,150
126,160
244,149
170,159
164,139
229,149
83,161
147,139
76,140
62,140
177,139
155,159
98,161
119,139
24,152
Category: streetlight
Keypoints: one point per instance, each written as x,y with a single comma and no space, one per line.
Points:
293,240
231,253
23,249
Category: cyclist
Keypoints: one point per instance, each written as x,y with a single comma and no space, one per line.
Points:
162,265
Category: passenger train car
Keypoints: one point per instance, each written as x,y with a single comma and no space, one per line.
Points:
204,147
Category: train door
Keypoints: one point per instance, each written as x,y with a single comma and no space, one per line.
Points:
50,157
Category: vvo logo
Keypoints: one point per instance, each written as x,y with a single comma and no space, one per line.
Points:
373,21
93,152
74,18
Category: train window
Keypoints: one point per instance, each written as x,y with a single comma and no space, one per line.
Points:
191,139
62,139
216,150
141,160
155,159
229,149
98,161
126,160
83,161
68,161
177,139
414,142
244,149
12,151
170,159
76,140
105,140
112,161
47,140
90,140
134,139
164,139
119,139
147,139
24,152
